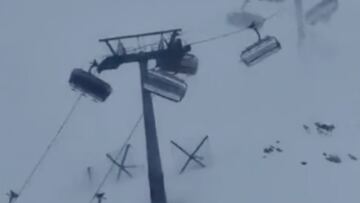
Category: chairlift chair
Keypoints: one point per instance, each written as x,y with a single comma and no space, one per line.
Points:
321,12
89,84
165,85
260,50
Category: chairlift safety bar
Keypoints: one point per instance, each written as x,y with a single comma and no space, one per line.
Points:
140,35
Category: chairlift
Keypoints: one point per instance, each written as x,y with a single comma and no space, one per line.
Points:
177,59
260,50
321,12
89,84
165,85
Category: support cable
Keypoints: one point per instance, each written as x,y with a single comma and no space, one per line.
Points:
228,34
50,145
224,35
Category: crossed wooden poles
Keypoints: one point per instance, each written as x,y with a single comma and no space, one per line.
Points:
100,197
122,166
12,196
192,156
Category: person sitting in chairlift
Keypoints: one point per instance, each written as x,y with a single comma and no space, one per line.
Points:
174,53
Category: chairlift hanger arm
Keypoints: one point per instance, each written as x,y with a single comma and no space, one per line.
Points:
140,35
256,30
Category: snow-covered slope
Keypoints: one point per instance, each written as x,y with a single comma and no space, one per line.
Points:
242,109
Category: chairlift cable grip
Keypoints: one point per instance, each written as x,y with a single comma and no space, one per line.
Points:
257,32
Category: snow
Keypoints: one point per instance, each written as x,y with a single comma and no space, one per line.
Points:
242,109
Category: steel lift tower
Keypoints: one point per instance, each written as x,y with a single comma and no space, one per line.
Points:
172,58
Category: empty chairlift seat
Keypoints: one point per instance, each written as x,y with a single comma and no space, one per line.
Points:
89,84
260,50
321,12
165,85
